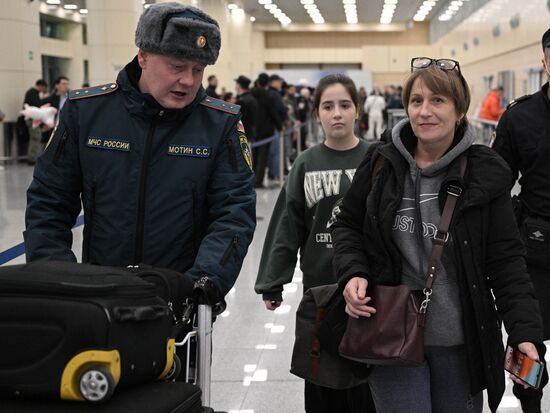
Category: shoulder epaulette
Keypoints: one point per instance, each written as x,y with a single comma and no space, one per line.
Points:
220,105
518,100
89,92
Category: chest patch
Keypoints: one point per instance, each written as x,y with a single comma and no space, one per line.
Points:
108,143
189,150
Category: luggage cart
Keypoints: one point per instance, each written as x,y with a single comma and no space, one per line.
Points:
198,345
199,339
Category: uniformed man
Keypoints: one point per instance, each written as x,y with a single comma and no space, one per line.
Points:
163,171
523,140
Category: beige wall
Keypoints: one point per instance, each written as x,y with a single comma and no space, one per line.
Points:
242,47
349,39
248,49
20,65
515,49
111,29
386,54
382,79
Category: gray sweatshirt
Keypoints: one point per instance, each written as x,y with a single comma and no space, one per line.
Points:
420,202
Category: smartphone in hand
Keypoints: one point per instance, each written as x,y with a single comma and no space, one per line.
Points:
529,371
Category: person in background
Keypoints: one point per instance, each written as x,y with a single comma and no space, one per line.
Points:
290,125
59,95
362,123
384,236
249,106
275,90
303,214
32,98
268,123
374,108
212,85
229,97
303,115
163,171
491,108
522,139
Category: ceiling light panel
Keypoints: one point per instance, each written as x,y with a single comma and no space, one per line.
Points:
350,9
313,11
276,12
452,9
424,10
387,11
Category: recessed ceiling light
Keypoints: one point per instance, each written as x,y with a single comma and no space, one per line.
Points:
252,19
53,2
83,11
232,6
70,7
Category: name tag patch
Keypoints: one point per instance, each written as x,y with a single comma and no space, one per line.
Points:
189,150
109,144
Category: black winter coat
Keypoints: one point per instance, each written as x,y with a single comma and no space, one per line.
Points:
484,237
268,120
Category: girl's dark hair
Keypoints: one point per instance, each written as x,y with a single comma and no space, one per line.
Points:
330,80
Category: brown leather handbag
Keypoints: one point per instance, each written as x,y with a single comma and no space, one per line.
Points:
394,335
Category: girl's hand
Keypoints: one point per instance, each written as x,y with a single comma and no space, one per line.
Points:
272,304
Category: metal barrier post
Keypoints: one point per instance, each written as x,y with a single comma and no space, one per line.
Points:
281,158
8,138
204,320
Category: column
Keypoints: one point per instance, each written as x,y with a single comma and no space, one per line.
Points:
20,65
111,29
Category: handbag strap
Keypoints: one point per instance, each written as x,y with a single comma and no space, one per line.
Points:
442,235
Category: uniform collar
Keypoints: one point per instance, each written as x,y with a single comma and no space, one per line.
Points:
144,104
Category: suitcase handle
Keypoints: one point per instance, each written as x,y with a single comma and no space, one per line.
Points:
142,313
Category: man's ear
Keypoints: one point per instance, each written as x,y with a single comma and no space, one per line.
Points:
142,59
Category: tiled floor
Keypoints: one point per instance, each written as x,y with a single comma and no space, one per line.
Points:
252,346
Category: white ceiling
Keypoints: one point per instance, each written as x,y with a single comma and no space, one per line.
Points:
368,11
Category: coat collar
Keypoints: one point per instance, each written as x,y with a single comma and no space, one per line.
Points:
145,105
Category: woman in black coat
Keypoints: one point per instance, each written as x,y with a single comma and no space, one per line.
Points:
384,236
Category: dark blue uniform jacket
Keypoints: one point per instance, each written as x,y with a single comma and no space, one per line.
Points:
170,188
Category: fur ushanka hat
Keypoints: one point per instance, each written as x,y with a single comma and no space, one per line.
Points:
179,30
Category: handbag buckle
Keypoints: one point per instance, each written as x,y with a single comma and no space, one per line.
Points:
441,237
424,305
454,190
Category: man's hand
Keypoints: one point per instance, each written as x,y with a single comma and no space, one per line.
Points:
356,299
272,304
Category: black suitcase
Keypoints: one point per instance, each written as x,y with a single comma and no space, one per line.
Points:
156,397
77,331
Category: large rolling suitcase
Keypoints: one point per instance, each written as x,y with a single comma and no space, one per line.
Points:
156,397
76,331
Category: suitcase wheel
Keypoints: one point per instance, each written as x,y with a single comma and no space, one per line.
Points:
96,384
175,370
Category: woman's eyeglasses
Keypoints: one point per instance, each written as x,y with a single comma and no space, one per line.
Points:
443,64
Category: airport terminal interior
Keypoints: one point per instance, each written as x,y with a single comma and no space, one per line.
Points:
497,43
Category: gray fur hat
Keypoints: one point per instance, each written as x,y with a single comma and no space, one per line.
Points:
179,30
